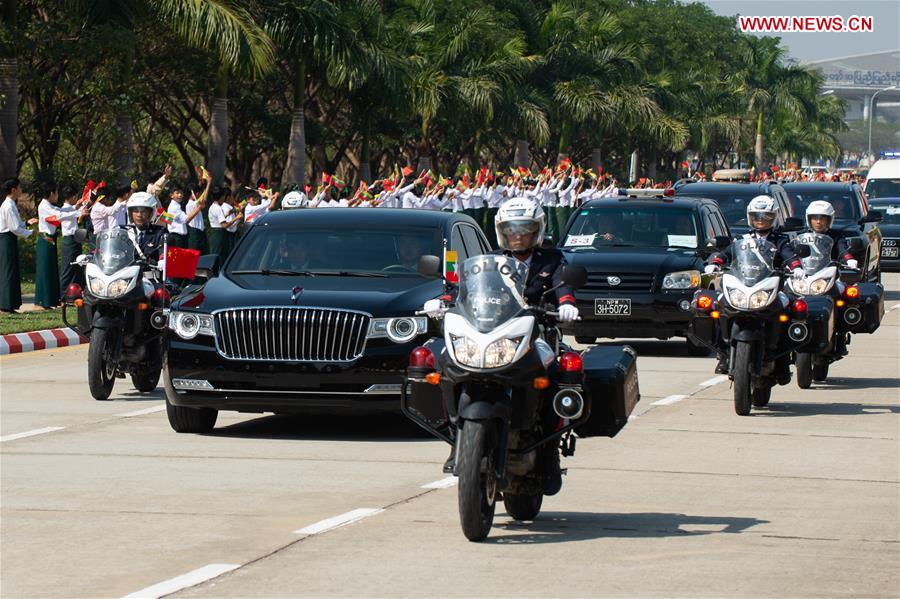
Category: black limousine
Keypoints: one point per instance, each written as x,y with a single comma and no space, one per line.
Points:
312,311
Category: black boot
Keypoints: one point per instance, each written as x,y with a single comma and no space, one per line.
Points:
551,472
722,365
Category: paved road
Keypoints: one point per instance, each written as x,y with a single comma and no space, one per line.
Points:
801,499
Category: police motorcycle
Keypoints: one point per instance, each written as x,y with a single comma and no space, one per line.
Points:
495,389
121,310
757,320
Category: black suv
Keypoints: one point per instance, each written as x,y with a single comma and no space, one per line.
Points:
852,217
645,259
734,197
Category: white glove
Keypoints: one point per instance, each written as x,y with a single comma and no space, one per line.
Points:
568,313
711,268
798,273
851,263
435,308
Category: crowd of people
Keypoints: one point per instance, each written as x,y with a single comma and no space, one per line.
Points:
209,218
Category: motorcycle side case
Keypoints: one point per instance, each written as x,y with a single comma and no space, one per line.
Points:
871,303
425,400
611,383
820,320
703,330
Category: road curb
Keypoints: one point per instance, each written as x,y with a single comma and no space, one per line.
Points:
17,343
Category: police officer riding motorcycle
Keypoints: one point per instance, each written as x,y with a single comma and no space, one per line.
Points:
123,302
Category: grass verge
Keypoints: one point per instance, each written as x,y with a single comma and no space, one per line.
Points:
31,321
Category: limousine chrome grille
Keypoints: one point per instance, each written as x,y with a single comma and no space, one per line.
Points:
291,334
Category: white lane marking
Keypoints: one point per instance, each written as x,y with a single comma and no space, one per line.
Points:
894,307
442,484
713,382
665,401
152,410
195,577
37,431
338,521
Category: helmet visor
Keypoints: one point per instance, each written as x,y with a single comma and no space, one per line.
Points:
518,227
766,218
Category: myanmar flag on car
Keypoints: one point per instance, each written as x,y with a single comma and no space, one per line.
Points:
450,272
181,263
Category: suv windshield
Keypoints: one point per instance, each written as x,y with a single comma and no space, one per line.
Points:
661,226
336,250
733,207
889,209
882,188
844,202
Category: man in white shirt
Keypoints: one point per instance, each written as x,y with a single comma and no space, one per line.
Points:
196,226
11,228
50,220
70,249
105,214
255,207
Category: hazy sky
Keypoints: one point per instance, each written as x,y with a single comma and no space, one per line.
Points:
820,46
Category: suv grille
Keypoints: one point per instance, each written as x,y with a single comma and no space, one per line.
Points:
629,281
291,334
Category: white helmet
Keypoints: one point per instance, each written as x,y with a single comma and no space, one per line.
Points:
294,199
520,216
141,200
820,208
763,210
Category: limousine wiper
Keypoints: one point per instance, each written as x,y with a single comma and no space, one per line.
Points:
349,273
276,272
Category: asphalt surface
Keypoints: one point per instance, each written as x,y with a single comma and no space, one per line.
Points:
799,500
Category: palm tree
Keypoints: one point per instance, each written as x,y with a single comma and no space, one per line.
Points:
771,85
9,94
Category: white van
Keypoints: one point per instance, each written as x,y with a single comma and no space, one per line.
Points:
883,180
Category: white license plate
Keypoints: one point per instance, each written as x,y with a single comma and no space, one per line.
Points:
890,252
612,307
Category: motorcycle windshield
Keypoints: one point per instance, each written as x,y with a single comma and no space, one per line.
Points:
752,260
114,252
491,290
819,251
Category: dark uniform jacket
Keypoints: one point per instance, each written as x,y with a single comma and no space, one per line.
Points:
544,273
151,240
784,252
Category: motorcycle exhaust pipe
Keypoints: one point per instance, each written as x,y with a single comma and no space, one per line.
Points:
568,404
798,332
158,320
852,316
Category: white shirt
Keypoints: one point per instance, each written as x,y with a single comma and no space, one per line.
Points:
106,217
47,210
497,197
229,212
197,221
70,225
252,212
178,225
10,221
217,215
435,201
567,195
410,200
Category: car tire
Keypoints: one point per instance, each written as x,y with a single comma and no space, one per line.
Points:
696,349
191,420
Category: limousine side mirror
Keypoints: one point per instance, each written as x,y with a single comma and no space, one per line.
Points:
874,216
574,276
207,267
429,266
792,224
81,235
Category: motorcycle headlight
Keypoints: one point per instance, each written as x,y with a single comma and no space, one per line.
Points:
501,352
398,330
738,298
760,299
684,279
97,286
818,287
799,286
188,325
118,287
466,351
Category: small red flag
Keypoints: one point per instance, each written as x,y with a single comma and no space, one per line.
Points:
407,171
181,263
53,220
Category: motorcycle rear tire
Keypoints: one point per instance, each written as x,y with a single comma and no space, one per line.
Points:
522,507
820,373
804,370
476,507
742,382
145,382
761,396
101,368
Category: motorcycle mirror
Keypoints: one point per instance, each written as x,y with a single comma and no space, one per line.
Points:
81,235
855,243
429,266
792,224
803,251
574,276
207,267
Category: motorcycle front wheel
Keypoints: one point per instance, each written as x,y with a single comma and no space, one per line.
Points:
741,373
102,363
477,489
804,370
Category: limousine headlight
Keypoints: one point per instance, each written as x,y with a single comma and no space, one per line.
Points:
188,325
398,330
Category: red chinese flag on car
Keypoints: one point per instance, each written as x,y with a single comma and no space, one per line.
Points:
181,263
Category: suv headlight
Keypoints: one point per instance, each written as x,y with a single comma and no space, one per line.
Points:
398,330
188,325
466,351
501,352
683,279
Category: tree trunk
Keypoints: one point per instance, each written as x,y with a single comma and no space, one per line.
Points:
218,128
295,170
634,171
759,154
597,160
424,149
124,145
522,156
365,167
9,116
